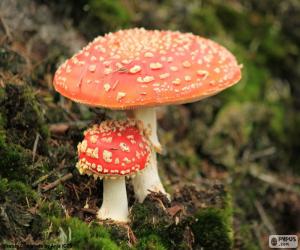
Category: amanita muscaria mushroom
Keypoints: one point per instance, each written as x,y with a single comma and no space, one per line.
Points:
113,150
137,70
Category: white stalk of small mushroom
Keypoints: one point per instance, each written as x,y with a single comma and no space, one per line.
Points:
115,204
148,180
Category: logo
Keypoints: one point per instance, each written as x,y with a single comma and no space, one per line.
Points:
283,241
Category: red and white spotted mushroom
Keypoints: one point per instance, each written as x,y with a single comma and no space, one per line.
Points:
138,70
111,151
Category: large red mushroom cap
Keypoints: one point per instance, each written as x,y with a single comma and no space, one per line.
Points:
145,68
113,148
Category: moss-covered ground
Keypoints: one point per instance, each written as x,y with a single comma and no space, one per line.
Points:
231,162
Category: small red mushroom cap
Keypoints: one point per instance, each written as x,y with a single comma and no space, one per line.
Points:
143,68
113,148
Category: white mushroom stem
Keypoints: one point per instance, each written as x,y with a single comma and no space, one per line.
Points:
148,117
115,204
148,180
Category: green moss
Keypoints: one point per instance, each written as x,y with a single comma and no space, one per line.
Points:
25,119
149,219
14,160
212,230
99,231
155,227
3,188
151,242
212,225
21,193
21,121
17,192
84,236
15,219
80,232
139,213
50,208
49,215
101,243
118,232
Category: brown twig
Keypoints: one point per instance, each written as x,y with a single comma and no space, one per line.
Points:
264,217
130,234
57,182
89,210
35,144
75,191
175,210
46,176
